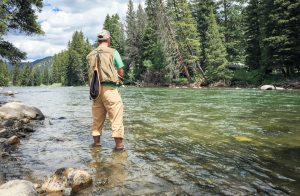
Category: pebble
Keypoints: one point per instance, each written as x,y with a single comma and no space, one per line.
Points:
12,140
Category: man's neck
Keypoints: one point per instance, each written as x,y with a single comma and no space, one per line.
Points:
104,45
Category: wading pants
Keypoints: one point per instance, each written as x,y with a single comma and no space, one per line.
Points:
109,102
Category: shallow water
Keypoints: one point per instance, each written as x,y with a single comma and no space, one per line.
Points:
178,141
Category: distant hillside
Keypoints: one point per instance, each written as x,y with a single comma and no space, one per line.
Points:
47,61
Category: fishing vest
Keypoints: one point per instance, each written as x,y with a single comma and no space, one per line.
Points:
106,68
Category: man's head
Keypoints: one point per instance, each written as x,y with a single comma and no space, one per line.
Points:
104,37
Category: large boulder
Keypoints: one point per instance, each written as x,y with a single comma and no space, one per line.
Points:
8,93
267,87
19,111
67,178
18,188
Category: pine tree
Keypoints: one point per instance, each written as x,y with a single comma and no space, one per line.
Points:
231,26
148,42
4,73
216,62
37,80
201,9
253,35
46,76
186,31
25,75
282,35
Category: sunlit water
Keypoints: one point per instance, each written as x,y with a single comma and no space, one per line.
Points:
178,141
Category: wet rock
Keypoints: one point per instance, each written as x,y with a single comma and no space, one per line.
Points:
46,122
25,121
243,139
13,100
18,188
267,87
8,93
1,89
2,140
16,92
61,118
68,192
12,140
67,178
279,88
37,185
237,88
2,133
19,111
7,123
18,124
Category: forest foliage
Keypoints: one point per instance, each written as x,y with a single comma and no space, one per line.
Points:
210,35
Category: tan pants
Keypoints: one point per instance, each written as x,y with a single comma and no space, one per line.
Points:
109,102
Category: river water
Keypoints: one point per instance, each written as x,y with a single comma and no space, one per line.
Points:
178,141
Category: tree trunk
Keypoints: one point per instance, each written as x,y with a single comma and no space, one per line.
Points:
175,44
197,63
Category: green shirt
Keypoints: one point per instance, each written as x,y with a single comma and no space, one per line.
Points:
118,64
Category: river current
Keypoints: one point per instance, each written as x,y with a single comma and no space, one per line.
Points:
178,142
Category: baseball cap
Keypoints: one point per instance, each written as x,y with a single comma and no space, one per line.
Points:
103,35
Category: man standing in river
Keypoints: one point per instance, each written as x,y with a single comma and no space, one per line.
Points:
109,100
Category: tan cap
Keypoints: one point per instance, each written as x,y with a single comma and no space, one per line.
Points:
103,35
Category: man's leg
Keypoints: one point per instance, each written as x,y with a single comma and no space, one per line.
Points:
114,107
99,116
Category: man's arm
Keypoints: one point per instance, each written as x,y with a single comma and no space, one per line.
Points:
121,72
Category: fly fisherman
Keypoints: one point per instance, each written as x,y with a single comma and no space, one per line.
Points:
109,98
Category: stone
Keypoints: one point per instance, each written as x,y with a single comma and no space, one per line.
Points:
8,93
1,89
18,124
2,140
68,192
19,111
237,88
16,92
13,100
243,139
46,122
279,88
7,123
67,178
267,87
25,121
12,140
2,133
18,188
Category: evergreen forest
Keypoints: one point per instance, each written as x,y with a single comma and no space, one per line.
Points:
180,41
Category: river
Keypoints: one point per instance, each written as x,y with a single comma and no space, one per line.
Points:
178,141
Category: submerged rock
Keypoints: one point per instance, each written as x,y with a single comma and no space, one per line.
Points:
7,123
267,87
13,100
19,111
8,93
243,139
67,178
18,188
12,140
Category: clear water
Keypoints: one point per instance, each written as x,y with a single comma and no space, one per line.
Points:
178,141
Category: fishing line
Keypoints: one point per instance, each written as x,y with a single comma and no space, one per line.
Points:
144,96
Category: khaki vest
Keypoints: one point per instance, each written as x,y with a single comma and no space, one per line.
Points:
107,70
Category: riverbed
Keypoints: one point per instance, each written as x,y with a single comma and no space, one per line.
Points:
178,141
